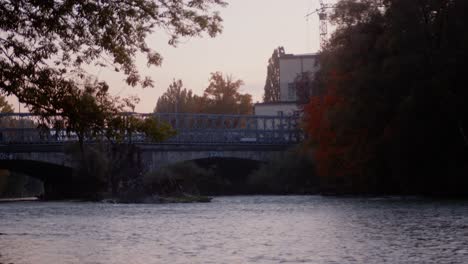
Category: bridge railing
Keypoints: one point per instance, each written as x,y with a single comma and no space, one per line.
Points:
233,128
191,128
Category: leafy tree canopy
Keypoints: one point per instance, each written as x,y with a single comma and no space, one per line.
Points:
272,83
222,96
178,99
394,96
5,107
44,43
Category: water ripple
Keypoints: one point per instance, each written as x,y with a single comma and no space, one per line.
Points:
258,229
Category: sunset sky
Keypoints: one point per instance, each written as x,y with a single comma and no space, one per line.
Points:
252,30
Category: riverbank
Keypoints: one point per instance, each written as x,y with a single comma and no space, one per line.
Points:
157,199
22,199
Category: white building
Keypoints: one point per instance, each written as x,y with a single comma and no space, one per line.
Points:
291,66
275,108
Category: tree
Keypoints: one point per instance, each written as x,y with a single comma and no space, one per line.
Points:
223,96
8,123
177,99
43,44
400,125
5,178
92,113
5,107
272,85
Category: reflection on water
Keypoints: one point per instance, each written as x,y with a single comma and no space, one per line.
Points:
257,229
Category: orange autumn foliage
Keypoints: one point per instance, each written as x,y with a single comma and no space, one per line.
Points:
321,133
338,150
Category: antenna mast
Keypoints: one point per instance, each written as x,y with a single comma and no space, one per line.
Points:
323,24
323,27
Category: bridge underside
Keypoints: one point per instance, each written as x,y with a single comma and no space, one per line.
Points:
234,172
37,169
58,180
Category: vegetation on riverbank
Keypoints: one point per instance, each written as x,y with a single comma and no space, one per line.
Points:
289,174
176,180
113,174
390,116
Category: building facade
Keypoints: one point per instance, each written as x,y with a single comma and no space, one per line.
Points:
276,109
292,66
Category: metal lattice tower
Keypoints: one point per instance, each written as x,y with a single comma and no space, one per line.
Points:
323,25
323,20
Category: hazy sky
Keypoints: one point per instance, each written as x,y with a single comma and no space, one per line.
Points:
252,30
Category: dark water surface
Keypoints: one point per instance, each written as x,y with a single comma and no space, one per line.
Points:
256,229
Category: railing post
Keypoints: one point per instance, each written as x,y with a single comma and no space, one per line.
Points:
22,128
274,128
281,128
256,129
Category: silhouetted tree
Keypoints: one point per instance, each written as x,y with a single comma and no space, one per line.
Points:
177,99
393,117
5,107
43,44
223,96
272,85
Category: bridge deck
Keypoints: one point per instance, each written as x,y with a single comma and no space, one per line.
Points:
17,129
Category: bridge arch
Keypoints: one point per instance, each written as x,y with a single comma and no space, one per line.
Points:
212,175
41,170
155,157
57,179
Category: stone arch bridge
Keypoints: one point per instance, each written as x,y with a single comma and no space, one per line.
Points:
25,148
152,156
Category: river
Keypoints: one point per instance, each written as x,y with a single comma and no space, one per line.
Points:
244,229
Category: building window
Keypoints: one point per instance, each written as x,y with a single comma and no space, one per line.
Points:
291,91
280,113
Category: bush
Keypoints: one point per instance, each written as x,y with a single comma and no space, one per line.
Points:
291,174
175,180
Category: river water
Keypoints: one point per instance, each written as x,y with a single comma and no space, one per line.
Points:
255,229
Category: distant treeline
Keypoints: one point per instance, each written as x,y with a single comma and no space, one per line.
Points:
222,96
